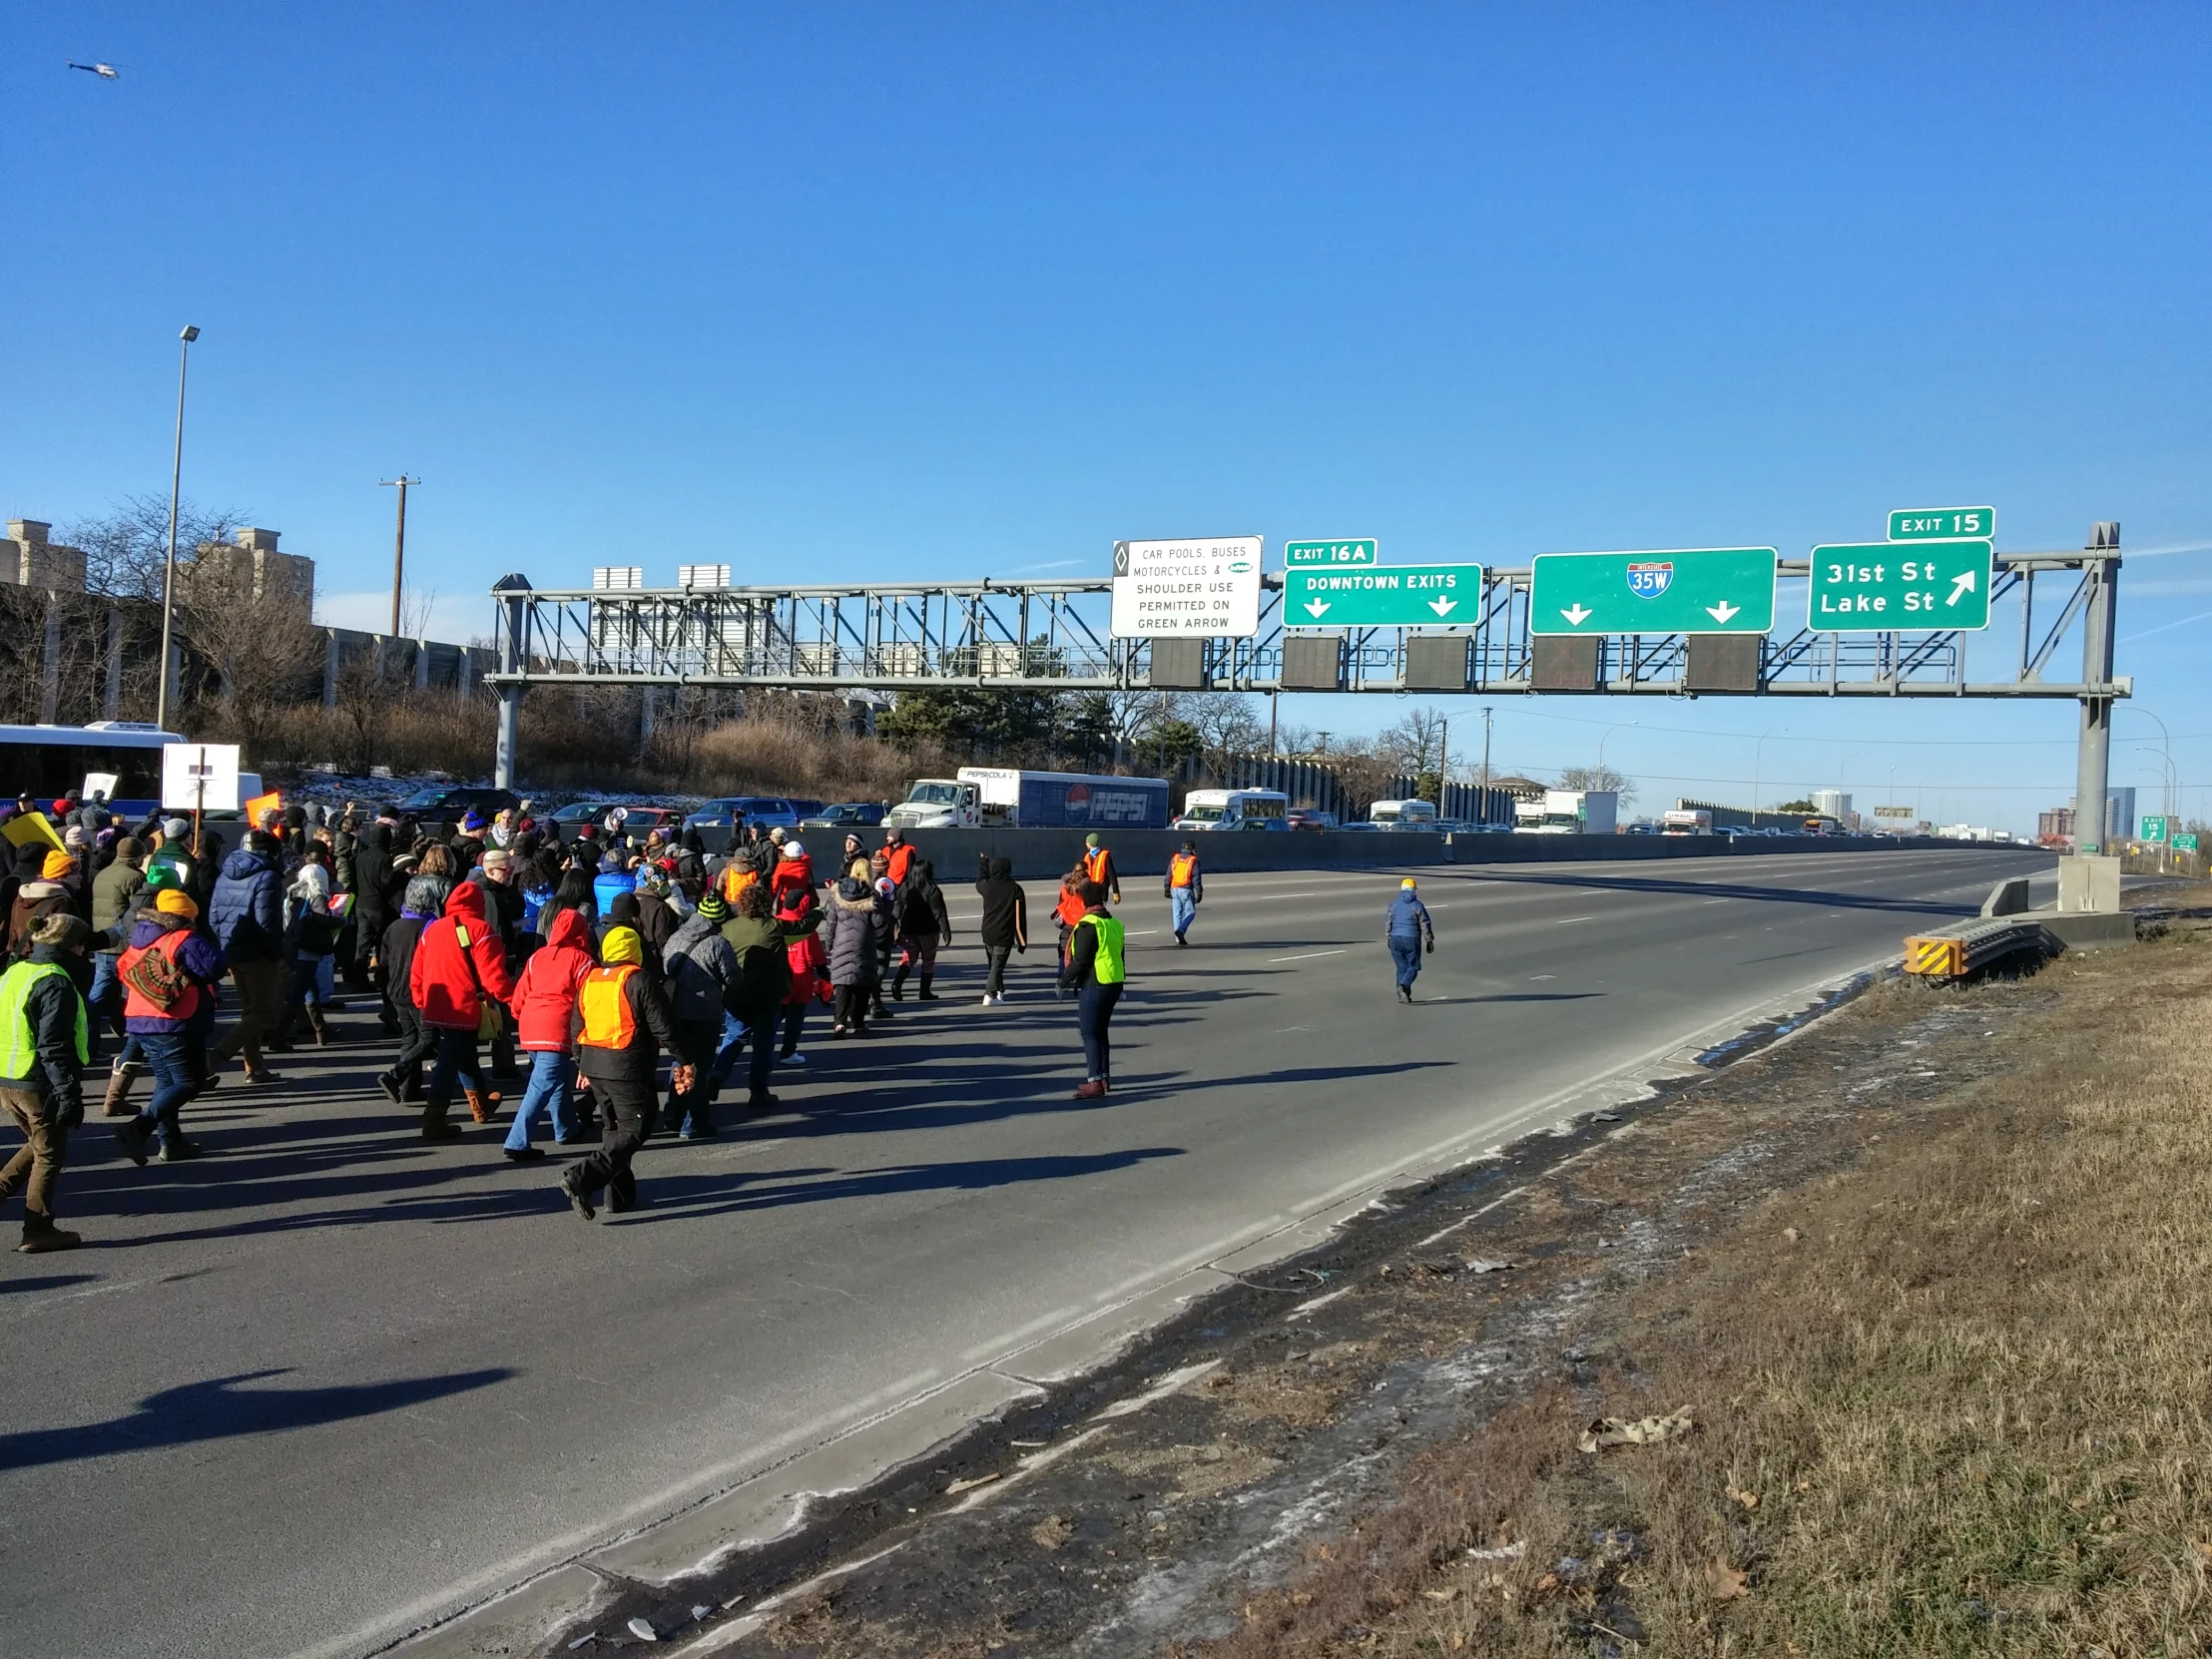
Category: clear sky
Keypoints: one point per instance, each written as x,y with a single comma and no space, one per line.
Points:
955,291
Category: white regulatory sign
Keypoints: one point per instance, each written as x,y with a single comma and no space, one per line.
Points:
1205,588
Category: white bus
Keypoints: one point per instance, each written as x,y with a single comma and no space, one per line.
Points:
1234,809
47,762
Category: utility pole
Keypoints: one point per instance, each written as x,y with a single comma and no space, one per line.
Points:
1444,769
398,544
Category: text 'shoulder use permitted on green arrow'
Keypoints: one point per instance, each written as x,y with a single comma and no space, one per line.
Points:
1703,590
1384,596
1883,586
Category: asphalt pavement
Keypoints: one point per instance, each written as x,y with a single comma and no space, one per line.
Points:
330,1383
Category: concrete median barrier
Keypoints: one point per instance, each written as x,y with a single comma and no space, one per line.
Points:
1040,854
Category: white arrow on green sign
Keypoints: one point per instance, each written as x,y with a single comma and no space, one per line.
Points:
1943,524
1357,550
1384,596
1701,590
1880,587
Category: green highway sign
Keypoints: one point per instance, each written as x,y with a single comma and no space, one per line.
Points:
1705,590
2154,830
1356,551
2185,841
1943,524
1384,596
1880,587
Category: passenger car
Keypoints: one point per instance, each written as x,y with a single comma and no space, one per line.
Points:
845,814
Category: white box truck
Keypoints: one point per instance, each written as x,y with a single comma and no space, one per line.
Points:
1403,814
1568,812
1687,821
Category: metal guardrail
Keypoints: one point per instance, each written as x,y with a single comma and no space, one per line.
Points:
1963,947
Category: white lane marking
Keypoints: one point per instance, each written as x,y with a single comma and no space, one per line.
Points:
1564,921
1309,955
1447,1232
1317,1302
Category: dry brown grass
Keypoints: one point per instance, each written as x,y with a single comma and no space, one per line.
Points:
1954,1401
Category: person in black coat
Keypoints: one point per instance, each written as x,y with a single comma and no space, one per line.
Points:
1005,926
922,924
372,898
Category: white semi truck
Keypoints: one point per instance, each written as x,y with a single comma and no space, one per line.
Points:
1568,812
979,797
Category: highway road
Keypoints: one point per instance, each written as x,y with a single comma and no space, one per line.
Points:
329,1382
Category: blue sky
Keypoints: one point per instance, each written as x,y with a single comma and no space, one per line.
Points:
955,291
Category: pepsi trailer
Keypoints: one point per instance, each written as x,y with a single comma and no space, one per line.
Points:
1069,799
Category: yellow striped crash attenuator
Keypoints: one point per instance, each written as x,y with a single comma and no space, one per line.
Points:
1939,958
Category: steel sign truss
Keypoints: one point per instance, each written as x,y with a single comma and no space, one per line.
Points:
1056,636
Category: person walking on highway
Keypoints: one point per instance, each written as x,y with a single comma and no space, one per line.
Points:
1069,910
169,978
45,1044
1004,928
116,893
545,1017
246,913
1098,867
703,980
849,928
1096,970
621,1025
1184,887
458,977
422,902
798,918
899,854
763,978
1410,935
920,919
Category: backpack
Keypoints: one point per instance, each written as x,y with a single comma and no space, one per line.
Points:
155,975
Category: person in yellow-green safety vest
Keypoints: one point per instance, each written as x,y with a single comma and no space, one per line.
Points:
1097,968
45,1043
1184,887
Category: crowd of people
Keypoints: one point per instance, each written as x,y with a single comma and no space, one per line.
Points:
496,953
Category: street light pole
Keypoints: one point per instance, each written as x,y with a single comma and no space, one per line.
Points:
1758,752
169,570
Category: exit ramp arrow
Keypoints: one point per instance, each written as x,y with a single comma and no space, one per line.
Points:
1722,612
1444,607
1961,584
1577,614
1316,608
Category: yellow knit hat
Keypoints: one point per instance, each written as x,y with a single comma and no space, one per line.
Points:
58,864
175,901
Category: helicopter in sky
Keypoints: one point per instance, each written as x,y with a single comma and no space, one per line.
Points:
106,70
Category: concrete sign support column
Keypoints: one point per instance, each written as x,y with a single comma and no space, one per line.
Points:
2092,770
514,658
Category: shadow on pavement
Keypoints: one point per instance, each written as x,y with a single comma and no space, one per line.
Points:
682,1197
219,1409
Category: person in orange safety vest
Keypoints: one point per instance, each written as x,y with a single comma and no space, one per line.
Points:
1183,887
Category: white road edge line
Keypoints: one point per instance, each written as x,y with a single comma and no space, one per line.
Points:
1309,955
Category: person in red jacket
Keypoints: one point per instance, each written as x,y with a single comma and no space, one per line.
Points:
799,918
545,1009
792,881
460,972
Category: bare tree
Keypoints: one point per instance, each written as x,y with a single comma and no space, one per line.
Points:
259,641
127,548
1227,724
1599,777
1416,741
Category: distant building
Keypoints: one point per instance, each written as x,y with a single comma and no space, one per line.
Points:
2119,813
1835,804
2055,828
253,568
29,560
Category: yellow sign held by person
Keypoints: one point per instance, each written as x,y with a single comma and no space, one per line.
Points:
31,828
